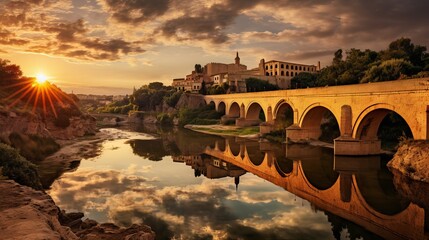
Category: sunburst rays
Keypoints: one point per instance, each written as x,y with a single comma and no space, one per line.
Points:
37,94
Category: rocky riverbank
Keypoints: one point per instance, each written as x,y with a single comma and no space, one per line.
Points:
412,160
29,214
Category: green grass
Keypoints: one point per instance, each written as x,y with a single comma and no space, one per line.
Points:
237,132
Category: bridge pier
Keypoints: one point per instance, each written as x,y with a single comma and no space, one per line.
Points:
294,133
242,122
227,118
356,147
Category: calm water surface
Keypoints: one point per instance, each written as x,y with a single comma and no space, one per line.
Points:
187,185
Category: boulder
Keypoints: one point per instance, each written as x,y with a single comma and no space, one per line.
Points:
412,160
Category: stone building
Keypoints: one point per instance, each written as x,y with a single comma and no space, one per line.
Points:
278,73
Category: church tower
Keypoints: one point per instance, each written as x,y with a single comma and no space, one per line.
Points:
237,60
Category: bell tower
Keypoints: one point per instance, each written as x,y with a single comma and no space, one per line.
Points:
237,60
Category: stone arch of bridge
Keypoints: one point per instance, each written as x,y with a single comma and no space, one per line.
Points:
253,110
221,107
368,121
234,110
312,117
284,114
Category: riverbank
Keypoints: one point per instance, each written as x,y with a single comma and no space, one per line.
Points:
246,132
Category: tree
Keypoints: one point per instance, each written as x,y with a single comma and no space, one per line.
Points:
156,85
304,80
258,85
198,68
388,70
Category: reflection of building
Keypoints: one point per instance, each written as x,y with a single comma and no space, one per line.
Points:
211,167
234,74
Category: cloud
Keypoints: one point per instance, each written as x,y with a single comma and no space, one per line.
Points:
134,12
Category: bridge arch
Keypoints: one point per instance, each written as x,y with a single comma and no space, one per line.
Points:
312,117
234,110
283,114
253,112
221,107
368,122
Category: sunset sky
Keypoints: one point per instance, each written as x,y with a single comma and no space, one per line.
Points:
110,46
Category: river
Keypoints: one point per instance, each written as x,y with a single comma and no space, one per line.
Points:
187,185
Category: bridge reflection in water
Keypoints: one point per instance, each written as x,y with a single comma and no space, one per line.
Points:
355,189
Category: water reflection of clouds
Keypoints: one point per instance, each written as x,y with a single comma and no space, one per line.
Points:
213,208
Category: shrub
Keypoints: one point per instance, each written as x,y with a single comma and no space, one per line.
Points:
164,119
17,168
33,147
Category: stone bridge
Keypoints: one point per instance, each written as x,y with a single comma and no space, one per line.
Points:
344,195
358,109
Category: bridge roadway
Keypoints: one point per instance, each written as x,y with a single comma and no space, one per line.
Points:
343,198
358,109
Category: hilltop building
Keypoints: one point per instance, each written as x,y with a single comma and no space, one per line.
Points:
235,74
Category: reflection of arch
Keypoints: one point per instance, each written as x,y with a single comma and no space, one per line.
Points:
379,192
311,119
319,169
234,110
284,166
234,148
221,107
253,111
369,120
221,145
256,156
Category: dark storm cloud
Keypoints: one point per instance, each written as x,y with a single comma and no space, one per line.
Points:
206,23
132,11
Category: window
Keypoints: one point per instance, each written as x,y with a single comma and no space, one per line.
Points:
266,67
267,74
287,73
282,66
296,67
300,68
282,73
275,73
276,66
287,66
271,66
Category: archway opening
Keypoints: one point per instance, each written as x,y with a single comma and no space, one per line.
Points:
284,117
211,105
321,124
255,113
234,110
384,125
221,108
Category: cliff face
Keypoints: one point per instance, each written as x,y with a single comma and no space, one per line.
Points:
412,160
32,124
29,214
191,101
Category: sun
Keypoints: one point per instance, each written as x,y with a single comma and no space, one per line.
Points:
41,78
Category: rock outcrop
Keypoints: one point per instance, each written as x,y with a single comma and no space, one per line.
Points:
33,124
412,160
29,214
191,101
